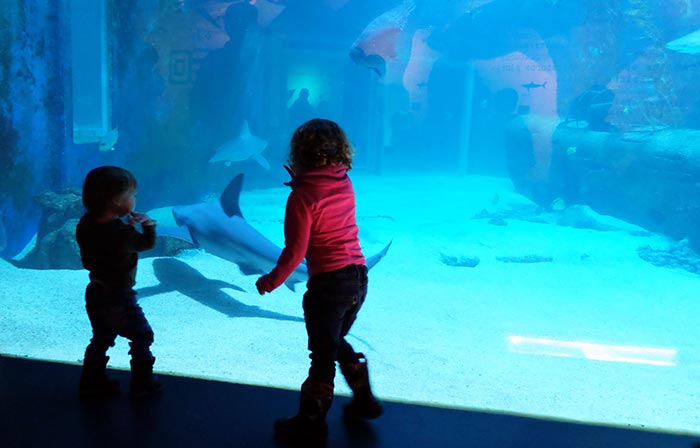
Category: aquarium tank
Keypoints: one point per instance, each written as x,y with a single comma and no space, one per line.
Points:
527,180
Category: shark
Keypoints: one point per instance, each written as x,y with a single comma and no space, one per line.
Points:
221,230
245,146
534,85
688,44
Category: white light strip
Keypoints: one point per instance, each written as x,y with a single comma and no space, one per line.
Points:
598,352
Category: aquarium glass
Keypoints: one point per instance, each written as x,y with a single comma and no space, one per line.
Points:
526,173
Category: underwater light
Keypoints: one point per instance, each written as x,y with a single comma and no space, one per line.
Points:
597,352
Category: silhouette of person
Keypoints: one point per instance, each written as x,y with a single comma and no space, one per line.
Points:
301,110
324,109
403,128
221,96
593,106
517,141
505,141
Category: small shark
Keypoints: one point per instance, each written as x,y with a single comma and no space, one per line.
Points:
533,85
220,229
688,44
245,146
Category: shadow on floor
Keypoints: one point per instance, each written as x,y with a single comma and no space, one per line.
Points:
39,408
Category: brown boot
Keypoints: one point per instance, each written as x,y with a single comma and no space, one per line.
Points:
363,403
309,426
94,382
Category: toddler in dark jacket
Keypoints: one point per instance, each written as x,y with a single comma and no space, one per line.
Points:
109,249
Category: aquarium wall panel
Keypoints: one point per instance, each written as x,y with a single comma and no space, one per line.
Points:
91,106
33,115
526,181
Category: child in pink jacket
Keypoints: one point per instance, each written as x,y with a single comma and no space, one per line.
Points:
320,226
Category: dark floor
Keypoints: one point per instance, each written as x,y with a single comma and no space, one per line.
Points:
39,408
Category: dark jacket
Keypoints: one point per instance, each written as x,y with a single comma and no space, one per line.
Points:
110,250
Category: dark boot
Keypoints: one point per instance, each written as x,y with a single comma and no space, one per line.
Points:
142,382
94,382
309,425
363,403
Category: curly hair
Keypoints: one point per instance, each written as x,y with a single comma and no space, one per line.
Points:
317,143
103,184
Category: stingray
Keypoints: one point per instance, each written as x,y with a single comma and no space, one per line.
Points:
460,32
220,229
379,41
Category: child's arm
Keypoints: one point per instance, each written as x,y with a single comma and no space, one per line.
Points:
134,241
140,218
297,232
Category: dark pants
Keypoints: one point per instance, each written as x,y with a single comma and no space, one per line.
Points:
331,304
112,313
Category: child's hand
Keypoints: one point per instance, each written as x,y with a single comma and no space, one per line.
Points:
140,218
291,174
258,285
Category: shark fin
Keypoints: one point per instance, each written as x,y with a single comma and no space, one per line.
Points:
291,284
374,259
262,161
249,269
180,232
245,130
229,198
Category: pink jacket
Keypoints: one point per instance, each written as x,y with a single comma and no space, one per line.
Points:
319,224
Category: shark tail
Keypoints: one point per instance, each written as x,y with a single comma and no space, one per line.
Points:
291,284
262,161
374,259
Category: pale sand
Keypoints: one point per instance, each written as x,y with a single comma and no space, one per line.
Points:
433,333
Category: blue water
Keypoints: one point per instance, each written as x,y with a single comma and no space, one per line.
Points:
583,108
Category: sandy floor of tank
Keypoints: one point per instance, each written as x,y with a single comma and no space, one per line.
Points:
596,334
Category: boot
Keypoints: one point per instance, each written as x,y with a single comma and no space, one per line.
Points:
94,382
309,426
142,382
363,403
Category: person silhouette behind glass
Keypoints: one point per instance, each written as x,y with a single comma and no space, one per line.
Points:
221,96
301,110
517,141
